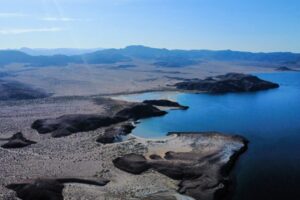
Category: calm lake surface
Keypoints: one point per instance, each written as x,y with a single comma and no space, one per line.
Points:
270,169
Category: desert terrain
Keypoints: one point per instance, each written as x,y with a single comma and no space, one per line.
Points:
86,89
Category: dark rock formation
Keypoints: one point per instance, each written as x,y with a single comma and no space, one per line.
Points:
12,90
132,163
202,175
114,134
97,182
47,189
140,111
17,141
155,157
39,190
165,103
111,135
231,82
68,124
127,128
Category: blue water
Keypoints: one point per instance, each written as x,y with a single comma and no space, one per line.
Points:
270,119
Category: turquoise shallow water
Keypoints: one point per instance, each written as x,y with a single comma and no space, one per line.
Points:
270,119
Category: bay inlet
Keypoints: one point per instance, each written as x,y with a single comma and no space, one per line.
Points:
270,120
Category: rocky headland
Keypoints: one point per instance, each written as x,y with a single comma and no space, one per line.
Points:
165,103
200,162
68,124
231,82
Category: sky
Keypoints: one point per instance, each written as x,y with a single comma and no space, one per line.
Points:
246,25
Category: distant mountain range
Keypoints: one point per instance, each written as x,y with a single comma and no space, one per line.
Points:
158,57
59,51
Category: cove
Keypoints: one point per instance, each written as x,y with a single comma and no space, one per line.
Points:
270,120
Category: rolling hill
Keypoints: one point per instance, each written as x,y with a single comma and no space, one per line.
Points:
158,57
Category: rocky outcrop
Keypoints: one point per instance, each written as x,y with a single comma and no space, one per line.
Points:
202,172
165,103
114,134
132,163
48,189
110,135
17,141
231,82
40,189
12,90
140,111
68,124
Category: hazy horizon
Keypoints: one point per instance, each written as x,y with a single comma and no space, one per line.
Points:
101,48
251,25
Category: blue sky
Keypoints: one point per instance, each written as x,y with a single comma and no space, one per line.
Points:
249,25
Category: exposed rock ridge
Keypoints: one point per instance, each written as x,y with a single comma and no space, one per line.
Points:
17,141
68,124
231,82
202,172
165,103
48,189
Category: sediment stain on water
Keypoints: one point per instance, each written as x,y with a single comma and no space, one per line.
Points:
269,119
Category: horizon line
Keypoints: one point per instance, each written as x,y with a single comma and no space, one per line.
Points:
137,45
